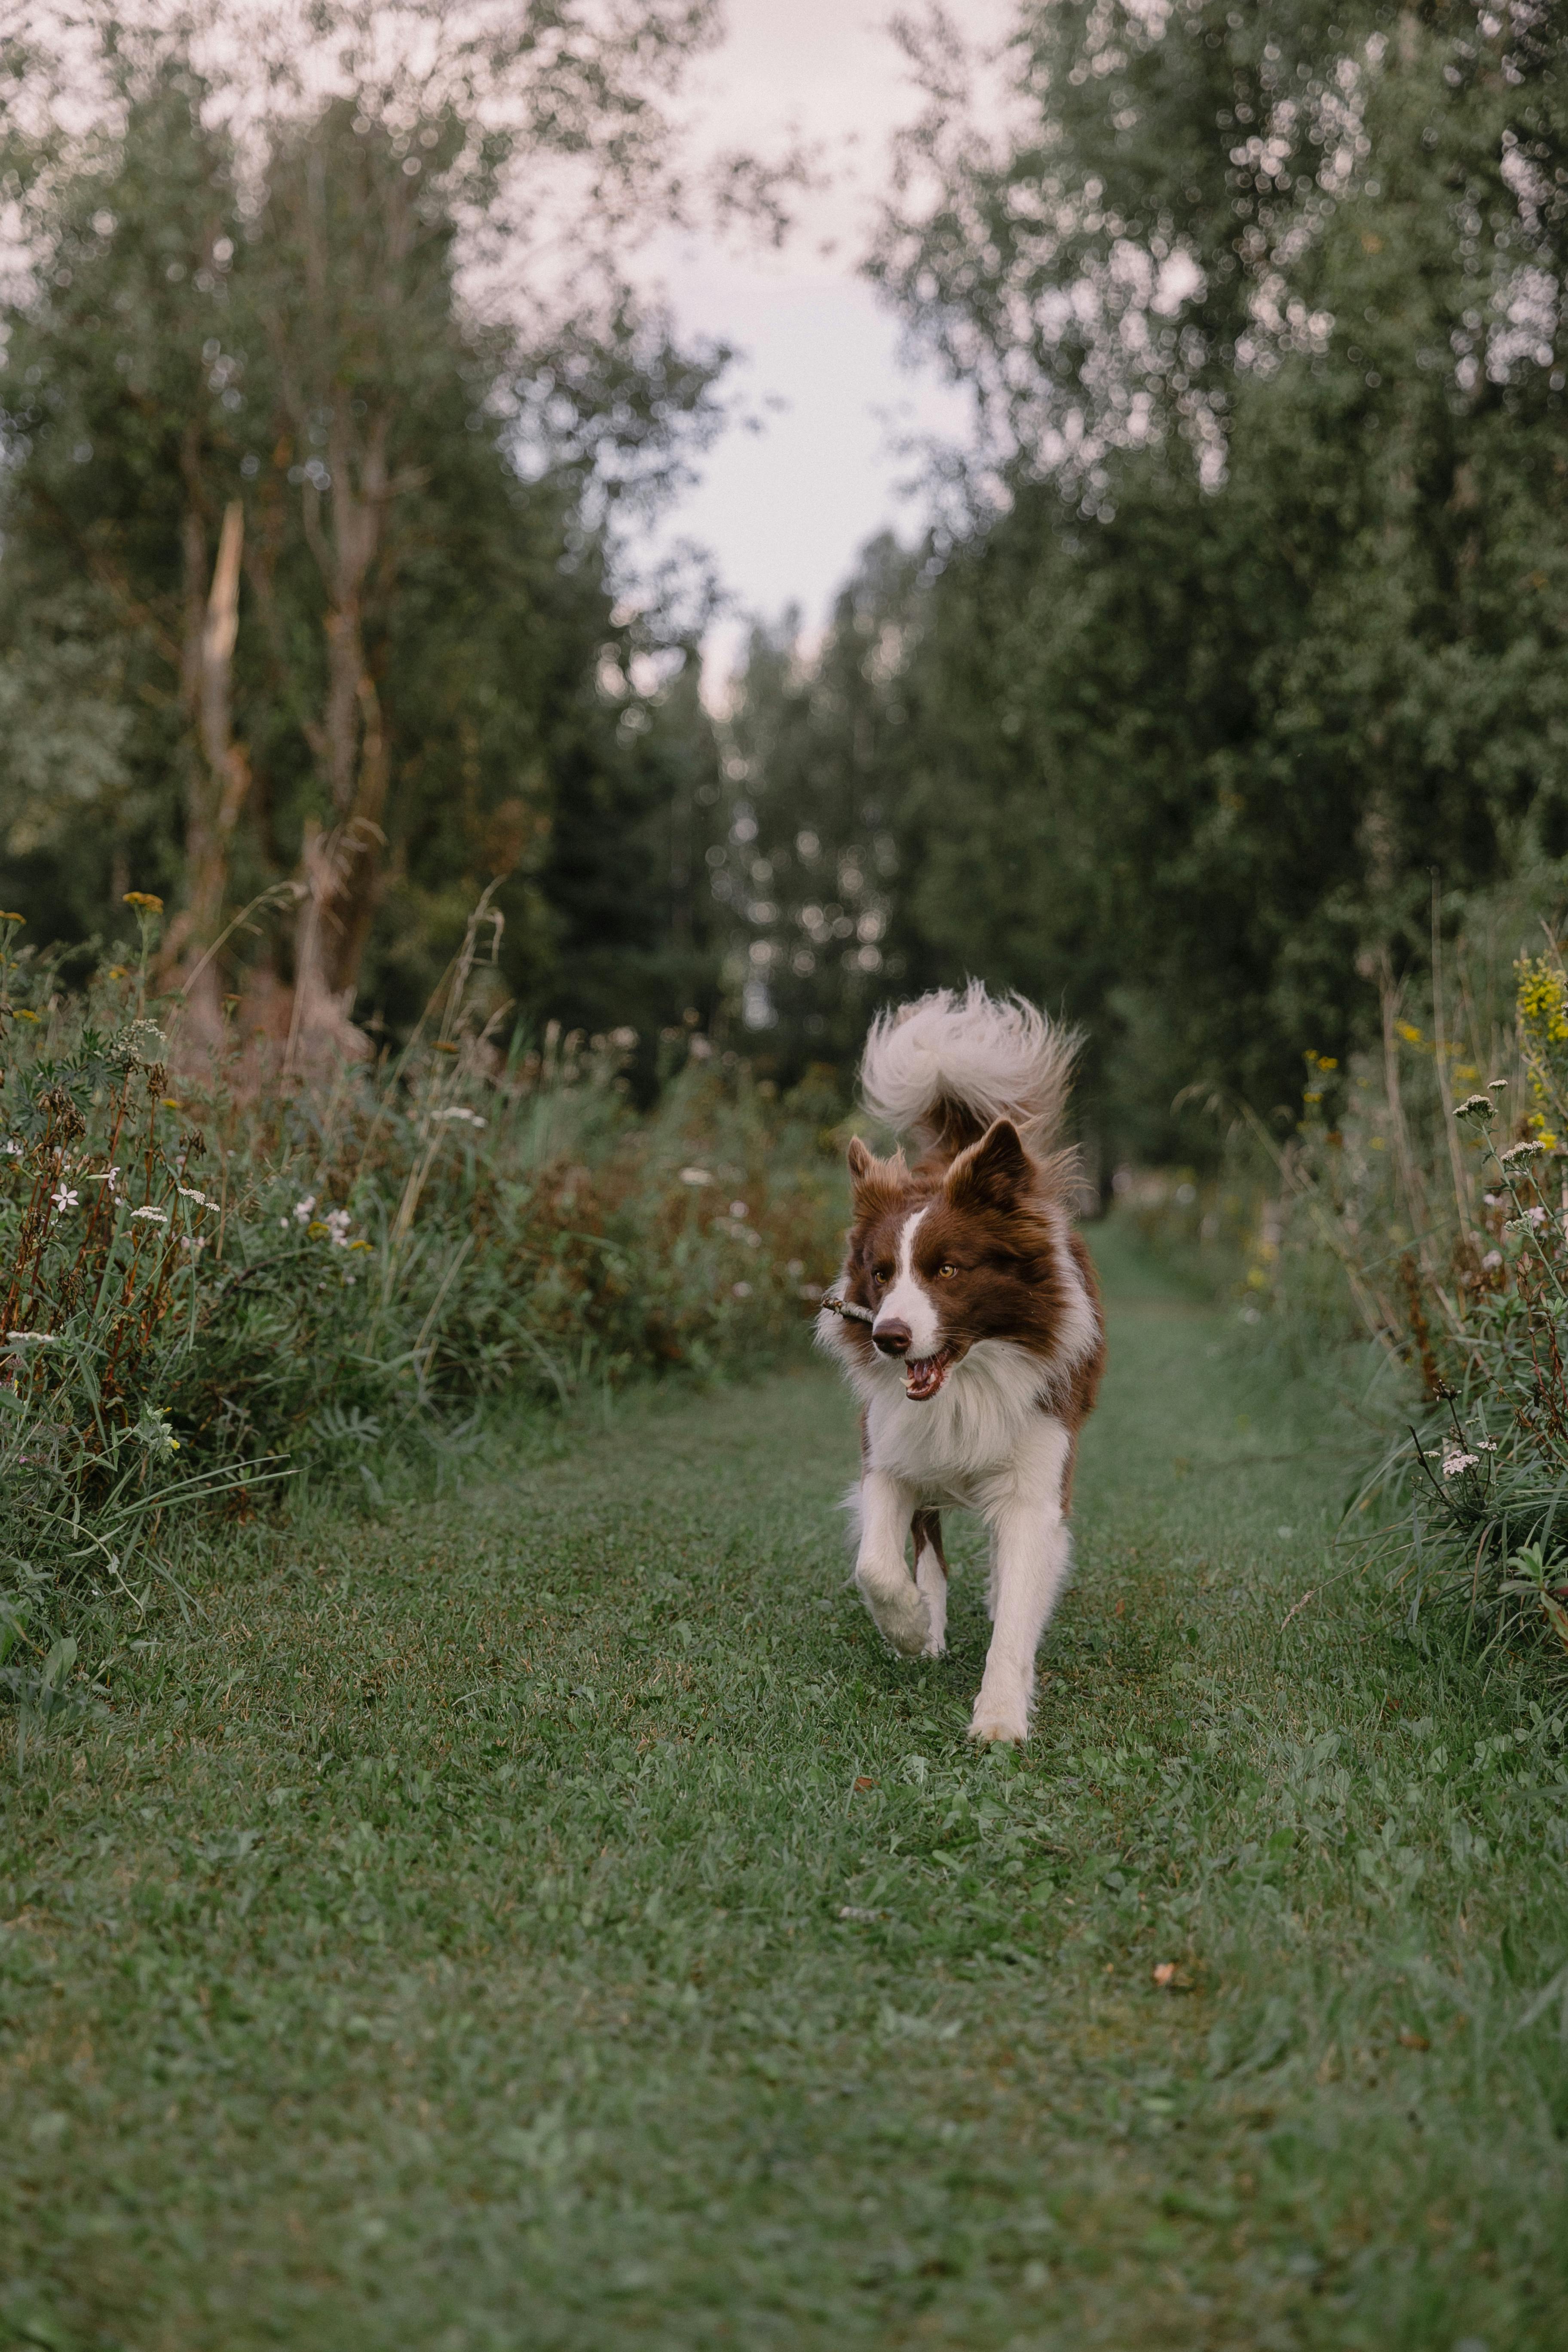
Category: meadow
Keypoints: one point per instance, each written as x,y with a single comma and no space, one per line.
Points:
541,1915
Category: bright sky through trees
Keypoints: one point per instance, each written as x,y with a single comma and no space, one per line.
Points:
785,510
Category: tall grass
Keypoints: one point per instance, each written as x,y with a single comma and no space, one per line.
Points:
1427,1185
211,1278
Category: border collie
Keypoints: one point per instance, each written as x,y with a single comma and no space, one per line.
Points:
967,1321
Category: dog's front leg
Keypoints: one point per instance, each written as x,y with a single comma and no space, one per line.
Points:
1031,1552
881,1572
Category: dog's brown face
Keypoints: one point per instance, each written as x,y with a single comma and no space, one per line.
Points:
941,1264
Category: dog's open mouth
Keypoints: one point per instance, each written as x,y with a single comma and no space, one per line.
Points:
924,1375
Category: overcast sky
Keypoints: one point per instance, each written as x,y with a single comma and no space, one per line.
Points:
784,511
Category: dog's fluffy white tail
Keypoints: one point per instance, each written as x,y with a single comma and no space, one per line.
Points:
943,1068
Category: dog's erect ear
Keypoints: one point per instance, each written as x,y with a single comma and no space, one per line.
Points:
994,1173
876,1185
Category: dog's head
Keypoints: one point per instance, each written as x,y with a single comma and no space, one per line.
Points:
940,1265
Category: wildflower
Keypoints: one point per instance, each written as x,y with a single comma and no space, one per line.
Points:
1456,1461
1492,1260
1476,1106
738,1209
739,1290
11,1147
305,1210
694,1176
1411,1034
1518,1151
1486,1445
64,1198
154,1432
109,1176
34,1338
1542,998
192,1242
457,1111
187,1192
153,1216
144,901
338,1224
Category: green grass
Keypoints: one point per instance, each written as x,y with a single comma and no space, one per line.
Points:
443,1942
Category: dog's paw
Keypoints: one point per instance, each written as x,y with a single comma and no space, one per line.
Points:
901,1615
991,1723
934,1646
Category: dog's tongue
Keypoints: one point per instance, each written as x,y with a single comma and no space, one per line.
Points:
924,1375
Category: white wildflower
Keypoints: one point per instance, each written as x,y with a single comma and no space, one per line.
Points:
31,1339
153,1216
338,1224
187,1194
11,1147
1453,1463
64,1198
457,1111
1476,1106
738,1209
1518,1152
1492,1260
739,1290
1486,1445
305,1210
694,1176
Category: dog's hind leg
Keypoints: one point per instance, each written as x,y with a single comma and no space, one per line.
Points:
1033,1551
931,1577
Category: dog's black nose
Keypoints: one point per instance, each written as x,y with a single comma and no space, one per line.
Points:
892,1337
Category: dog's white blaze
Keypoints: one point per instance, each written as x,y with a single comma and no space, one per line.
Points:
909,1301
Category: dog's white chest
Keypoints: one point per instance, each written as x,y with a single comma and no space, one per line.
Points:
958,1445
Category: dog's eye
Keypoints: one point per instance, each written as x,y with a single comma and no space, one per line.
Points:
945,1273
883,1276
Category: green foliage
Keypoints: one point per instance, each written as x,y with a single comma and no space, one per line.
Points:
1249,615
429,650
200,1297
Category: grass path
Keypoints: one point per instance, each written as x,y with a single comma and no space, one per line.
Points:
549,1919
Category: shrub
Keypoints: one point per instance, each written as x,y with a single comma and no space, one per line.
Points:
210,1284
1435,1176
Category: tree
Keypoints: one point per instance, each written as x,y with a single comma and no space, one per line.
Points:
1257,617
369,349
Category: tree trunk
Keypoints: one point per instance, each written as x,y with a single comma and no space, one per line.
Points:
220,772
341,865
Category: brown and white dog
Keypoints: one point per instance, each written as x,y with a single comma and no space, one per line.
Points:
967,1320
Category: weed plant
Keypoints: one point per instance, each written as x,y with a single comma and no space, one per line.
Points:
210,1282
1428,1186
